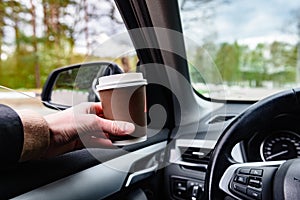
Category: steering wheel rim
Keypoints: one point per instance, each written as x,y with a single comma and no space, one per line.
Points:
258,115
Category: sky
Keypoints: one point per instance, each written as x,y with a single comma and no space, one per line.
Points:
247,21
244,21
104,27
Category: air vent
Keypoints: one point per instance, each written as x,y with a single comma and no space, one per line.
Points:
195,155
220,118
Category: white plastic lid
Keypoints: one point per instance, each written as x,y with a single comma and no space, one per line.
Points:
120,81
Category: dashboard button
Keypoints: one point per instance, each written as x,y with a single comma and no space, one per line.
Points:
180,193
256,172
180,185
195,190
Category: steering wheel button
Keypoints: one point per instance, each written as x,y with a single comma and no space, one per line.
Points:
256,172
254,183
244,170
241,179
239,188
254,194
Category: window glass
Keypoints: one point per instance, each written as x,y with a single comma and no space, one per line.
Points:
253,46
37,37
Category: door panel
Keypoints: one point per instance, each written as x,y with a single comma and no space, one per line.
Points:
96,182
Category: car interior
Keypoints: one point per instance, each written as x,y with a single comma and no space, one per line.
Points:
198,146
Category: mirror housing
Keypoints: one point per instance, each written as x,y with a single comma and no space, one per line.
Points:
74,84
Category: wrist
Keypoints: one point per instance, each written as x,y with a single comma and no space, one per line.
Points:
36,135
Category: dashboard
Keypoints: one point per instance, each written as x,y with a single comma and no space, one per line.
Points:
189,154
281,145
277,141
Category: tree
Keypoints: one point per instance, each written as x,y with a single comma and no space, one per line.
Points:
292,26
203,69
2,24
39,42
16,9
257,65
86,27
35,46
228,61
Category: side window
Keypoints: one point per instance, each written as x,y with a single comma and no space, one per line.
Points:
37,37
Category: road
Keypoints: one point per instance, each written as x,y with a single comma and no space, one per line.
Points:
20,102
32,101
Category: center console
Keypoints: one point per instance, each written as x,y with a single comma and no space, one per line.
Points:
185,173
188,160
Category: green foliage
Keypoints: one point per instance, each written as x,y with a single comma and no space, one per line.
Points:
36,42
31,57
227,60
239,65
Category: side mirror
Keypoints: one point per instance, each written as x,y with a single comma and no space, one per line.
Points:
71,85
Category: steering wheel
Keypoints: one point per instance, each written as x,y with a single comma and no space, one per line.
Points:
227,179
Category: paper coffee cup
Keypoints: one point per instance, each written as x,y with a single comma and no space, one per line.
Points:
123,98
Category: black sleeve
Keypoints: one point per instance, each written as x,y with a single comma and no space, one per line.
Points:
11,136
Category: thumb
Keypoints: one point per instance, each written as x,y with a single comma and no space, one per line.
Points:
117,128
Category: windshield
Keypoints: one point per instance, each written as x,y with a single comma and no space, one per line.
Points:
253,46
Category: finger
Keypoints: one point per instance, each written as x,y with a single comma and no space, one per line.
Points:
97,131
93,142
96,108
78,144
118,128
